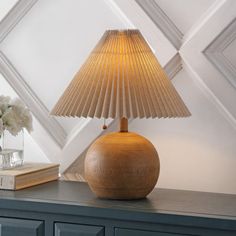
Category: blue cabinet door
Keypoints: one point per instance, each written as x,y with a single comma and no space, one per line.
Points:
18,227
133,232
64,229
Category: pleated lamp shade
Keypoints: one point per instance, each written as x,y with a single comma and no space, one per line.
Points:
121,78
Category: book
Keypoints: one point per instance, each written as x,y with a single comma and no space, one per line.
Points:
28,175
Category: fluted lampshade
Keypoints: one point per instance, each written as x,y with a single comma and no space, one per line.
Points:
121,78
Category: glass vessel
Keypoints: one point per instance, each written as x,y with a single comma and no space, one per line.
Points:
11,150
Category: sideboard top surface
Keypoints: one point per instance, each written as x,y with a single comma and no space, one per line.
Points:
78,196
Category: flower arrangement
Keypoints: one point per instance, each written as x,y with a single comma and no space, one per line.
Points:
14,116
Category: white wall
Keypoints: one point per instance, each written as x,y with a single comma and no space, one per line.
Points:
196,153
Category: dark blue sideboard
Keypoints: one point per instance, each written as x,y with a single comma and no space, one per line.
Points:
62,208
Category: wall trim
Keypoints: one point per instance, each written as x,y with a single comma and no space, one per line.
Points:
162,21
32,101
173,66
77,129
193,52
17,82
117,11
202,21
214,52
210,95
14,16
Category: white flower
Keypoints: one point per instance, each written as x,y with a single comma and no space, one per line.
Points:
11,121
4,103
24,115
28,121
1,127
5,99
16,102
16,116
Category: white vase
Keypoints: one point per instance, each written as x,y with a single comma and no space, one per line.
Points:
12,150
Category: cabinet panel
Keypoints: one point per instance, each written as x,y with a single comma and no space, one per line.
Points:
64,229
133,232
11,226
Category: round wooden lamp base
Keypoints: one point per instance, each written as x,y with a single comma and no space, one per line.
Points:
122,165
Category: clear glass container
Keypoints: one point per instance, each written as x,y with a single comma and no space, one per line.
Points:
11,150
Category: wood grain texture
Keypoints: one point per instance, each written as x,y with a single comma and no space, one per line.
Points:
122,165
28,175
123,124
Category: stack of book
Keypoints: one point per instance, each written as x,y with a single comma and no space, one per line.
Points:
28,175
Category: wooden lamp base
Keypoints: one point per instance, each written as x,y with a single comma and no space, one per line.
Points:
122,165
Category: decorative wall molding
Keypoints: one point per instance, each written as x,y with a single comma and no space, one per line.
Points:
210,95
14,16
162,21
17,82
77,129
214,52
173,66
31,100
193,53
202,21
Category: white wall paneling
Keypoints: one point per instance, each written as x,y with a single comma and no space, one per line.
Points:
31,100
184,13
162,21
192,53
56,137
14,16
221,52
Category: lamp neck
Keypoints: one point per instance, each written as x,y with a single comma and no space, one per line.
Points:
123,124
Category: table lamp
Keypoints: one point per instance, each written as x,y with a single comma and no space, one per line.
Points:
121,79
